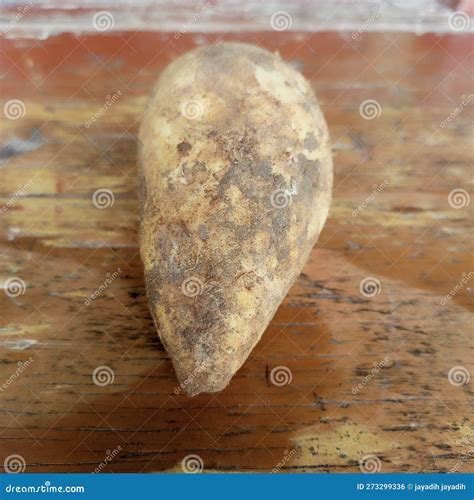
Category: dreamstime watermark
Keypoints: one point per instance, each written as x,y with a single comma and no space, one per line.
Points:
17,194
188,380
14,464
199,11
103,198
459,198
370,109
103,375
465,278
110,278
14,287
458,376
21,367
109,101
103,21
467,457
370,287
282,198
288,455
109,456
192,464
192,286
192,109
370,20
370,464
459,21
281,21
14,109
378,188
280,376
46,487
377,367
466,100
22,11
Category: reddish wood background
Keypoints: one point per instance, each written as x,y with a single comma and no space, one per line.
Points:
326,333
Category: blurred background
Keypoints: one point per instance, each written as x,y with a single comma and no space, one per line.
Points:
46,17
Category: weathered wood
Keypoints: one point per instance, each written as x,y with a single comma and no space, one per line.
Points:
399,345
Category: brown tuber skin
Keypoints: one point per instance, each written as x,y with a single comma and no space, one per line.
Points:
236,180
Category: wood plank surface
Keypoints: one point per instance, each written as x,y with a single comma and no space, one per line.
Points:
368,363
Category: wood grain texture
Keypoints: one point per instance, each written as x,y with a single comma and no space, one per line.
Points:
369,374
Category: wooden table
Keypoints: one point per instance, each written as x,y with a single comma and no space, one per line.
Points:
379,376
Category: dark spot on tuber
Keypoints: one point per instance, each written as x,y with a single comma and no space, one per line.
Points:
310,142
183,148
203,234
